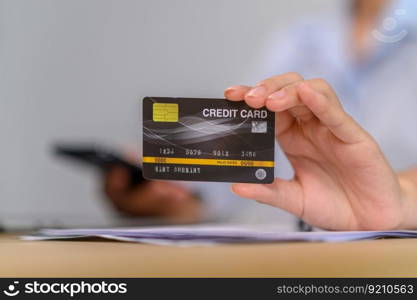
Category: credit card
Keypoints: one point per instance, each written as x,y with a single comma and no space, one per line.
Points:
196,139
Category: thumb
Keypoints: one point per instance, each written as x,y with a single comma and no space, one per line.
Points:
285,194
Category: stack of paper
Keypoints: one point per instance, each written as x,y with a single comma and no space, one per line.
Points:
208,235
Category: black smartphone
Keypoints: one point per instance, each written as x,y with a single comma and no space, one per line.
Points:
100,158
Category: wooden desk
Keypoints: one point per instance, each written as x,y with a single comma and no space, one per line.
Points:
391,257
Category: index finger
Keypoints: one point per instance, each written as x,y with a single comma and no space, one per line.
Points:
236,92
256,96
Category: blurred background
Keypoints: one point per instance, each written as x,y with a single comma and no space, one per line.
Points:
76,71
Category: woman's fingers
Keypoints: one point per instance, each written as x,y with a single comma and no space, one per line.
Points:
256,96
287,100
291,96
314,98
284,194
329,111
288,107
283,121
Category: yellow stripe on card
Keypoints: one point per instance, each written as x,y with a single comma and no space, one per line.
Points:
208,162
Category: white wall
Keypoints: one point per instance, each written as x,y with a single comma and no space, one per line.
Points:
74,70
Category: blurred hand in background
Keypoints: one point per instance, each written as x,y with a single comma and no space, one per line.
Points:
162,199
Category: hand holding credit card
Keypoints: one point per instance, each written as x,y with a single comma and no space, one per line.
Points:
196,139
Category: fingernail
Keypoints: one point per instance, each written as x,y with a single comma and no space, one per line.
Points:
230,89
233,188
257,92
278,95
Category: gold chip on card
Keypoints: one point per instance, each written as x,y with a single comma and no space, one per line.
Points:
165,112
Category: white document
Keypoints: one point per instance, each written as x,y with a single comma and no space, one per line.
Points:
192,235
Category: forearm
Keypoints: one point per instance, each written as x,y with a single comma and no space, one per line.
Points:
408,183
